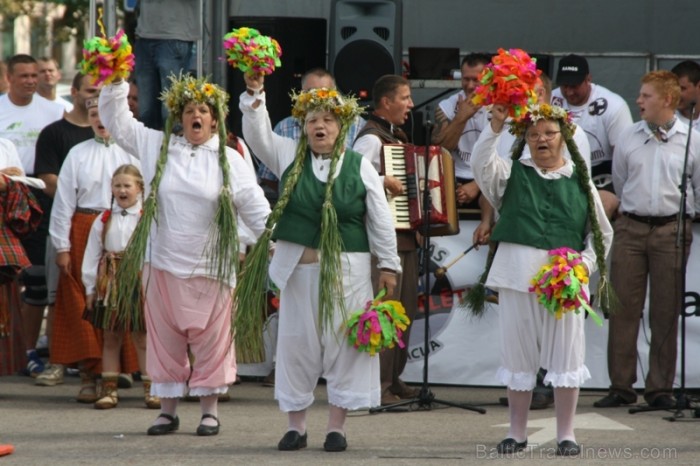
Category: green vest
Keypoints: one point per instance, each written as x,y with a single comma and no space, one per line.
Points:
301,220
542,213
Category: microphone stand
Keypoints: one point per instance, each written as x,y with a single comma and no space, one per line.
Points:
425,398
682,400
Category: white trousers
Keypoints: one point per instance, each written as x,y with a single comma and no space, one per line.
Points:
306,352
532,338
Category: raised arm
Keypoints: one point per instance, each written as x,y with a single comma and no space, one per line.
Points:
130,134
447,132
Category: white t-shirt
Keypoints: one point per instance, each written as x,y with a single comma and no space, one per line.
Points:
8,154
604,117
22,125
463,152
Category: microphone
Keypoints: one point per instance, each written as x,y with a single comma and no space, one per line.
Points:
428,121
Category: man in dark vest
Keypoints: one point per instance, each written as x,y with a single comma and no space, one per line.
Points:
392,104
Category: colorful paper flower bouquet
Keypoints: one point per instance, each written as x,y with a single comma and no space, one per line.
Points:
508,80
560,284
251,52
379,325
107,59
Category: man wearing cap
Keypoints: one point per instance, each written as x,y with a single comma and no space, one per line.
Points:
601,113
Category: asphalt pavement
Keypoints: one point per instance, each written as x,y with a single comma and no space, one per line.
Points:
48,427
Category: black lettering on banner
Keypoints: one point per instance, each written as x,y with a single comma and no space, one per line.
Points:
691,306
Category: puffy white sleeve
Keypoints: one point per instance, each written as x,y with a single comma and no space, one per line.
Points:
491,172
93,254
64,204
130,134
380,228
275,151
245,236
248,197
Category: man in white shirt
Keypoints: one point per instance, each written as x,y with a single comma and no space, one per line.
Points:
601,113
647,172
49,77
23,114
688,72
458,124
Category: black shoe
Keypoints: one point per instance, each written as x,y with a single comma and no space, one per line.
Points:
510,445
568,448
663,402
204,430
613,400
335,441
541,400
291,441
162,429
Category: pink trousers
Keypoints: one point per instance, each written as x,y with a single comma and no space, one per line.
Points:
188,313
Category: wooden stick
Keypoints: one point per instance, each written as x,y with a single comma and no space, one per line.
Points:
441,271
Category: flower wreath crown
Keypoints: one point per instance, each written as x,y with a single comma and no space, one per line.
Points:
539,112
185,89
322,99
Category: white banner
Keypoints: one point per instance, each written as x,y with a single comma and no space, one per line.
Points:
466,350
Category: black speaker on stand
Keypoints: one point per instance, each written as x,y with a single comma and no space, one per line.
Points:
303,43
364,43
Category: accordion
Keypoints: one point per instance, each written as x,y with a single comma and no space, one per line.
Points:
406,162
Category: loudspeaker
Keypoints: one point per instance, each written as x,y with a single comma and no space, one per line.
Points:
364,43
303,43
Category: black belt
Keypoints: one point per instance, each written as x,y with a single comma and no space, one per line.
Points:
653,220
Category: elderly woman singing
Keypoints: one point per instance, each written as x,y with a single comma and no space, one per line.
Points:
331,214
197,188
545,203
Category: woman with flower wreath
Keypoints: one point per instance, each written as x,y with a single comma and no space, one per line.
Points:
545,202
196,188
332,212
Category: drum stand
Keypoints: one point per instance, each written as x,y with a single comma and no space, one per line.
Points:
425,398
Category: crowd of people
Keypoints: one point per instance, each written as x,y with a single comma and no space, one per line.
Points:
150,206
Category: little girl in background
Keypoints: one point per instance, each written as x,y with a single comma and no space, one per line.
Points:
108,238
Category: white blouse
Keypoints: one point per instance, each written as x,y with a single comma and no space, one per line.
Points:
189,188
277,153
515,264
121,226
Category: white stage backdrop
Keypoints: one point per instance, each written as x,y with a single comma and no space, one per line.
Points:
466,351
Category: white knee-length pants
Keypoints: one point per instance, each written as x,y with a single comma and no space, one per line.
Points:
306,351
532,338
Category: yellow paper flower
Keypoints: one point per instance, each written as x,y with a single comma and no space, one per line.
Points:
186,89
328,100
